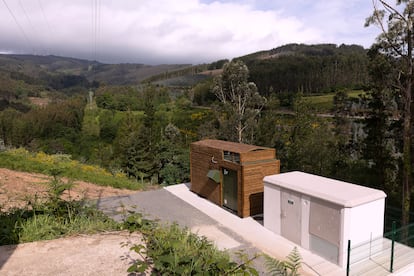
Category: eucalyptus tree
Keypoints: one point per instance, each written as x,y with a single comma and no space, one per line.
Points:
396,40
240,99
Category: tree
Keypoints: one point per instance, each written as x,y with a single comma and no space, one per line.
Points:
8,119
311,145
240,99
397,41
380,147
143,144
174,158
128,129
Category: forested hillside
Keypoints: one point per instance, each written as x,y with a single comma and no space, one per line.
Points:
44,68
308,68
320,106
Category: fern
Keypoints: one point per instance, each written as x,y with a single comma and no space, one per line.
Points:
289,267
274,267
293,262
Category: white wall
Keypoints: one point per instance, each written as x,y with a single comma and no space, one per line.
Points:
359,224
305,221
345,230
271,208
366,220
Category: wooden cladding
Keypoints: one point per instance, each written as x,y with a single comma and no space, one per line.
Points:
250,162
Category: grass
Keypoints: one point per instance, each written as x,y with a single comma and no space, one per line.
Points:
22,160
324,103
49,226
53,218
43,222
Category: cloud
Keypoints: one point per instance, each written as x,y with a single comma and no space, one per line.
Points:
165,31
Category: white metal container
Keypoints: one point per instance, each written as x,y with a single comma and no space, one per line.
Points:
322,214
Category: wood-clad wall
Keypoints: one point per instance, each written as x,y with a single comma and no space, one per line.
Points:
252,177
201,163
258,155
254,165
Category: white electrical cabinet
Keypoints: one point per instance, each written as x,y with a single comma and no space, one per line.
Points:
322,214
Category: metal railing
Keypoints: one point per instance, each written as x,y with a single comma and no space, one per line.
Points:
381,251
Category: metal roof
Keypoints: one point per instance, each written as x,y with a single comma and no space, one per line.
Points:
228,146
335,191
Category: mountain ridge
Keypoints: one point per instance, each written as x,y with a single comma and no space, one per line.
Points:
115,74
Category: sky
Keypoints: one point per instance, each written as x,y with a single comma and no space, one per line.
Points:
177,31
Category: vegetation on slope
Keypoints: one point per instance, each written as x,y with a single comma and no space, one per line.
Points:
145,131
23,160
52,218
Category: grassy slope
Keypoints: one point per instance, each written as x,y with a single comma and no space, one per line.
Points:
23,160
324,103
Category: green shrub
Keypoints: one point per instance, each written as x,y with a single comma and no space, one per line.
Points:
172,250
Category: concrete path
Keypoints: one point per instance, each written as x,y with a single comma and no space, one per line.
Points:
88,255
165,206
253,233
178,204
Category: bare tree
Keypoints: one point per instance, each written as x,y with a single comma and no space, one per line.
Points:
239,97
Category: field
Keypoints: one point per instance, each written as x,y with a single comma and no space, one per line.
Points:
324,103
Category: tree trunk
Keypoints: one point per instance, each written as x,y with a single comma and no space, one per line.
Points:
240,131
406,189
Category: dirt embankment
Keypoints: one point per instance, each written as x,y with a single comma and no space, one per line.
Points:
98,254
17,188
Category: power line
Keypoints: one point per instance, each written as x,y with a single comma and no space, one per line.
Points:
45,19
44,16
97,26
27,17
20,26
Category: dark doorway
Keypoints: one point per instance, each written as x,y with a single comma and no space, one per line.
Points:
230,189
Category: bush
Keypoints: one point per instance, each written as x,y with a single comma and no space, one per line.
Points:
171,250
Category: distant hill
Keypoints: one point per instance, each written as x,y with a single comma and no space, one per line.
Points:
289,68
310,69
295,49
116,74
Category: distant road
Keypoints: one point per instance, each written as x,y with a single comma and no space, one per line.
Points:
322,115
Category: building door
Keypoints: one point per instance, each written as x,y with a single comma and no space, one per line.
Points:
291,213
230,189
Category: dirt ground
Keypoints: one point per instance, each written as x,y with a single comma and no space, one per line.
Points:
16,188
99,254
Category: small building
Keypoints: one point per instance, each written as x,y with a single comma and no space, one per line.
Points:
231,174
322,214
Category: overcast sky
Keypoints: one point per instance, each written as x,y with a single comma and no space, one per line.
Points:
180,31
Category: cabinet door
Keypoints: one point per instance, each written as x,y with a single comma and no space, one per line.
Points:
230,189
291,216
